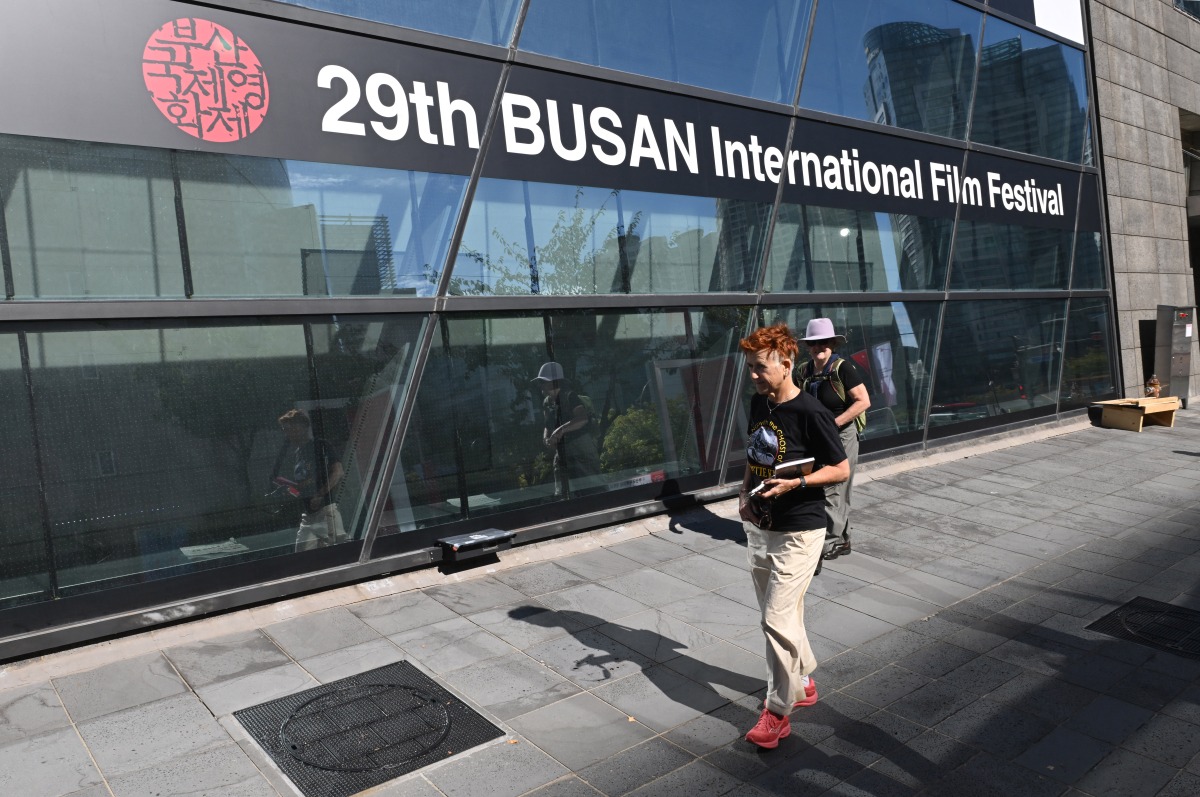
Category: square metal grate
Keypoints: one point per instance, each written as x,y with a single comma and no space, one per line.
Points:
1159,625
346,736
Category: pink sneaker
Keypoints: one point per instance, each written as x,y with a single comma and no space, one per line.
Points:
769,729
810,695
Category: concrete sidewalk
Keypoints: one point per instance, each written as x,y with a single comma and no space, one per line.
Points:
954,655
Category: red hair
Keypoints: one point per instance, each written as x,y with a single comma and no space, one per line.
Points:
776,339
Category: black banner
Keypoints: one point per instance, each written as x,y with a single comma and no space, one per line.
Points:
165,74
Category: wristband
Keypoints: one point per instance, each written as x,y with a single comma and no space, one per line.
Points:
803,482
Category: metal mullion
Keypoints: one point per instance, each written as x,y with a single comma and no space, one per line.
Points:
933,372
100,309
39,467
605,301
6,258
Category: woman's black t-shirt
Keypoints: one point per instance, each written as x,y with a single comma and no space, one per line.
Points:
791,430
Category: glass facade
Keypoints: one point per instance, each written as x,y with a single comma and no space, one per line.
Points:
167,303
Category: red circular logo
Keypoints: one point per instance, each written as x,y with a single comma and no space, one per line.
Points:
205,80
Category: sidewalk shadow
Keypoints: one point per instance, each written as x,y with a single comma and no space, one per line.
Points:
702,520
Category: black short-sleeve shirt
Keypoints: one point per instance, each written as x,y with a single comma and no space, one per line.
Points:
797,428
849,374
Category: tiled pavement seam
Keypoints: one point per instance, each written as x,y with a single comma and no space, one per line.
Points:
954,654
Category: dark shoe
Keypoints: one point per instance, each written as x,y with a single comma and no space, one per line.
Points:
838,550
769,730
820,564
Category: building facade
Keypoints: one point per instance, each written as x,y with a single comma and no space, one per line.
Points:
391,216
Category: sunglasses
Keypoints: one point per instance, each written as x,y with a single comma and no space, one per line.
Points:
818,343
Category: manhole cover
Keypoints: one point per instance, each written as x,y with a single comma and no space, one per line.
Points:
1156,624
360,728
346,736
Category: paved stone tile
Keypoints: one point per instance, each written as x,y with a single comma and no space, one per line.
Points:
510,686
923,758
651,587
1109,720
831,584
117,686
450,645
233,656
813,771
658,635
743,592
467,597
660,698
932,703
410,786
1146,688
936,659
1184,784
845,625
1021,541
697,778
589,658
523,625
702,528
1009,563
727,669
580,730
704,571
732,554
592,604
1126,774
126,741
649,550
571,786
30,710
353,660
395,613
930,539
1166,739
225,697
506,769
864,568
225,771
972,574
937,504
46,765
998,729
715,615
893,552
1043,696
871,783
718,728
1064,755
601,563
894,644
321,632
635,767
540,578
868,739
884,604
886,686
986,775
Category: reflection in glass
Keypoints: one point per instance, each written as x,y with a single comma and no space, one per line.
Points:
1009,257
833,249
162,446
487,21
101,221
997,357
1088,357
24,577
89,220
892,345
657,387
753,49
1089,263
1031,95
897,63
527,238
267,227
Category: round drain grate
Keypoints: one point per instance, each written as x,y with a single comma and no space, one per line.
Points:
1175,630
365,727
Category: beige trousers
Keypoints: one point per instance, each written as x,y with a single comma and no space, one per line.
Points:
320,529
782,565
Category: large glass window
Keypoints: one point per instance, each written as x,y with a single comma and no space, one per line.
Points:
1009,257
487,21
163,453
103,221
834,249
894,62
892,346
1031,96
1090,273
1088,356
527,238
997,358
646,396
751,49
24,575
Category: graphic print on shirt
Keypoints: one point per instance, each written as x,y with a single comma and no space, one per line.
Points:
766,446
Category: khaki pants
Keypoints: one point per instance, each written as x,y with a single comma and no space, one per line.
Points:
782,565
320,529
837,496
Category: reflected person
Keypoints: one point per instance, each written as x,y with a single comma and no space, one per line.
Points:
316,474
834,380
785,424
569,431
